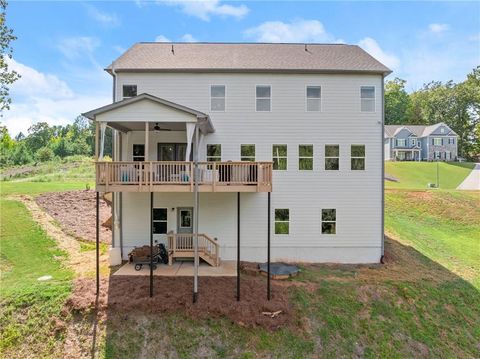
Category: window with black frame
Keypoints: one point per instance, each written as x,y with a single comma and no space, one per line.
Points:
138,153
159,220
129,91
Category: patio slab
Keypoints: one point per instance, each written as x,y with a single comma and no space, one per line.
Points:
182,269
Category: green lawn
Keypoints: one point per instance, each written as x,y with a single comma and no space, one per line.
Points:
416,175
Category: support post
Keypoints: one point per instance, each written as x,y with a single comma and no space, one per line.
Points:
195,219
97,242
238,246
97,129
146,141
151,244
268,247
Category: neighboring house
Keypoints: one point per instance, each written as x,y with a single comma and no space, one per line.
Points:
288,139
420,143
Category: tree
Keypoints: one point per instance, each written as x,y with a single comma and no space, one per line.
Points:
44,154
7,76
396,102
39,135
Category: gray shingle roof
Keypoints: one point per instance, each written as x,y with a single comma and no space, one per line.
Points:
253,57
418,130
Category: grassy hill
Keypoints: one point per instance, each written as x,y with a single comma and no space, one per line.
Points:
416,175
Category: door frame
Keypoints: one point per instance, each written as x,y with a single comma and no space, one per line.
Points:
179,228
175,144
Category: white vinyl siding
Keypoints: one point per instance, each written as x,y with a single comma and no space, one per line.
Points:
263,98
217,98
314,94
367,98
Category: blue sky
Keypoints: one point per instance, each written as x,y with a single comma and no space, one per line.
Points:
62,47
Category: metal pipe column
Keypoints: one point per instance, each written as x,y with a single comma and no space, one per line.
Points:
195,218
238,246
97,242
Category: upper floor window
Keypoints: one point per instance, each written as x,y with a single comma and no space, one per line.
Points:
451,140
401,142
214,153
358,157
329,221
437,141
367,98
159,220
442,130
129,91
138,152
305,157
413,141
279,154
282,221
263,98
217,98
332,157
247,153
313,98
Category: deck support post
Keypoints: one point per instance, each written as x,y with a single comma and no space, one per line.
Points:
97,242
238,246
195,219
151,244
268,246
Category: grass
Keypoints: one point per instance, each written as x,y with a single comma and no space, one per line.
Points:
28,306
444,226
417,175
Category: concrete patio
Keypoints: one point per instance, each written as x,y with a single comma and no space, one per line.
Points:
182,269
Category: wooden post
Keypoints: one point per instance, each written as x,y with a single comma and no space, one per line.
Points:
268,248
195,220
97,129
238,246
146,140
97,242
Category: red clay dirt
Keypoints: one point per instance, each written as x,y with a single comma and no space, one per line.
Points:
75,211
217,298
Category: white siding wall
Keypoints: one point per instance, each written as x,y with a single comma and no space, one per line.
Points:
355,194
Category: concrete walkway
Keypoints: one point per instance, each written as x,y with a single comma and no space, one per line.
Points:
472,182
183,269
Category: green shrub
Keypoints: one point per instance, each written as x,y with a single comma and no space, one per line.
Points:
44,154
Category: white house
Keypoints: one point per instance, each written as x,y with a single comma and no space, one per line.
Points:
293,132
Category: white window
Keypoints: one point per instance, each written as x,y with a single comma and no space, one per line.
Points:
357,153
305,157
401,142
159,220
442,130
217,98
329,221
313,98
129,91
214,153
138,153
247,153
437,155
279,155
332,157
367,98
263,98
282,221
413,141
451,140
437,141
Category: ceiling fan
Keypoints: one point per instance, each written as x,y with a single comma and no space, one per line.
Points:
157,128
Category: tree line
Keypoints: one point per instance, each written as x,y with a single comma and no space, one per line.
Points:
456,104
45,143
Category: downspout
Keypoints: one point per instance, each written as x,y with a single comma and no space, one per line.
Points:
383,174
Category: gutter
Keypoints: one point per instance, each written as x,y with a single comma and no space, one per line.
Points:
383,172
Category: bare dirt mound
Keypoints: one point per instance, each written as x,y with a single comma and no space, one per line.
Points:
121,295
75,211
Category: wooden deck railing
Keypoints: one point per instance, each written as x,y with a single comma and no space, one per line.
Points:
149,174
182,245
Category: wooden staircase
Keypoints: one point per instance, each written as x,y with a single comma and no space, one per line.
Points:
180,245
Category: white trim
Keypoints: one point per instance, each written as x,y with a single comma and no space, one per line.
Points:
271,97
325,156
306,98
286,157
307,157
374,99
206,151
275,222
254,149
125,97
224,98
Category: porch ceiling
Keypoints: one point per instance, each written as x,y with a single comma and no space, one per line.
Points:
140,126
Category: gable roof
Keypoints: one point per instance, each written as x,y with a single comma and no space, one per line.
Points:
417,130
247,57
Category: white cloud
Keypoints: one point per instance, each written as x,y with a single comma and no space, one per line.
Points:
188,38
161,38
374,49
204,9
295,31
438,28
106,19
474,37
44,97
76,47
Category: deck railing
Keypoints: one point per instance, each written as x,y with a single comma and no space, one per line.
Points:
181,245
154,173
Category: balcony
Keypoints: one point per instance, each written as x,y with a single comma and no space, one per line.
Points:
178,176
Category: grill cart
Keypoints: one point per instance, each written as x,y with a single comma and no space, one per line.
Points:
140,256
